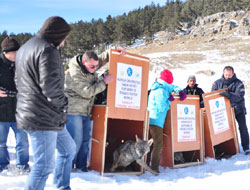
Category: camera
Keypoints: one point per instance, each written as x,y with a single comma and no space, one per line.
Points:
10,93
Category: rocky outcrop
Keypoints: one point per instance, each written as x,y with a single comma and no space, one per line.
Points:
219,22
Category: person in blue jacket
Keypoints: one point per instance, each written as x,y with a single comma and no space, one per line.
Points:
159,100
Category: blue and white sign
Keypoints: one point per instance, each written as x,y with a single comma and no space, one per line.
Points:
128,86
219,115
186,123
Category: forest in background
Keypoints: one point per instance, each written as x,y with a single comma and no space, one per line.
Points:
142,22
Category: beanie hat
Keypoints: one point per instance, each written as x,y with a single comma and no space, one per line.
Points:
167,76
191,77
9,44
55,29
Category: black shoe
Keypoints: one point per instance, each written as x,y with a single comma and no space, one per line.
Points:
84,169
247,152
156,170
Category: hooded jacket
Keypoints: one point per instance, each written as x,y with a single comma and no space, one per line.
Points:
41,103
236,92
158,102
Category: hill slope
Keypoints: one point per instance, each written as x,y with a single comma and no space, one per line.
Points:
222,38
205,56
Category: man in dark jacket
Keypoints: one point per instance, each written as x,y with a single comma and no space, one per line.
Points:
193,89
42,105
235,93
8,91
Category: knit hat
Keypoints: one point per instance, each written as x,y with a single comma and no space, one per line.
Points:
191,77
55,29
9,44
167,76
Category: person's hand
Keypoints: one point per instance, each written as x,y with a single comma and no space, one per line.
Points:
171,97
182,95
108,78
121,50
3,94
225,94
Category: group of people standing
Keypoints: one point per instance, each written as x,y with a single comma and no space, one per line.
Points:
160,97
47,101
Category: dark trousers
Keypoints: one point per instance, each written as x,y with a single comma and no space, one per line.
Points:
241,119
157,135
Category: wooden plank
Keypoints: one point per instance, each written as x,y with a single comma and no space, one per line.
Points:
209,149
98,138
202,155
130,60
187,164
121,173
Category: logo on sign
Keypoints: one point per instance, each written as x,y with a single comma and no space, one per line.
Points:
129,72
217,103
186,110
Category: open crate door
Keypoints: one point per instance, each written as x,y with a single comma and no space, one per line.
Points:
183,133
127,94
219,123
98,138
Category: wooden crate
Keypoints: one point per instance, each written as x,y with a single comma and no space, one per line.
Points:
221,139
183,133
125,114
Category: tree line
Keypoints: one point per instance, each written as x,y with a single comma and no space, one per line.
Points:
142,22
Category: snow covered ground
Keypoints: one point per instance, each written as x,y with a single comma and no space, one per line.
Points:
213,174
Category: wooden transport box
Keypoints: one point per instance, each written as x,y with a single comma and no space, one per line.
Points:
125,114
221,139
183,134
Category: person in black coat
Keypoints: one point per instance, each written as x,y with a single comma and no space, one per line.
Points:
193,89
8,92
42,105
235,93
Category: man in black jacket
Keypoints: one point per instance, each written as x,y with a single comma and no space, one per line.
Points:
8,91
42,105
193,89
235,93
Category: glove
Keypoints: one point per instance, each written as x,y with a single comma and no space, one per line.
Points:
171,97
225,94
182,95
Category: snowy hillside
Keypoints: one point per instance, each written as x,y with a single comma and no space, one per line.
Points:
183,57
220,174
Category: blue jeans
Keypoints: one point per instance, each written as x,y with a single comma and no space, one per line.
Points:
79,128
44,144
22,146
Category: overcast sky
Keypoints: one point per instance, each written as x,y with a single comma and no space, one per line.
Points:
21,16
